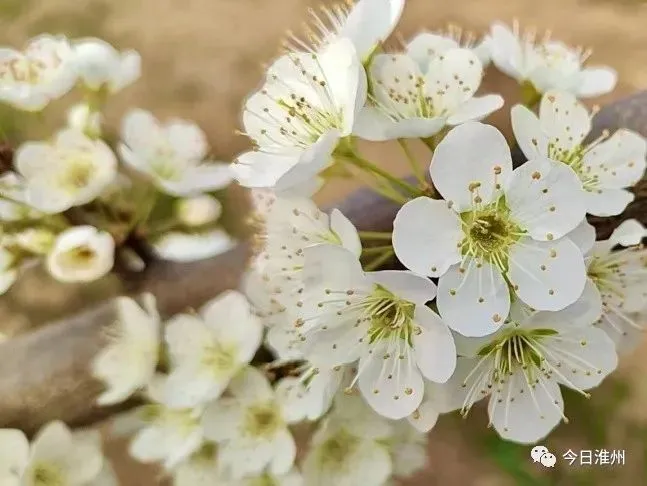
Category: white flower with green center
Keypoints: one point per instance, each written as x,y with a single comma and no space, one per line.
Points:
366,23
208,349
72,170
172,154
498,233
42,72
308,103
251,428
620,278
426,46
546,64
127,364
410,101
605,166
56,457
378,318
521,367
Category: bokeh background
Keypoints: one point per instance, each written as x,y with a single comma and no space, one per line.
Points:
201,58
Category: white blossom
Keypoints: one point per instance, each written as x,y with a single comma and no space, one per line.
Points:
198,210
605,166
40,73
308,103
100,66
379,318
208,349
409,101
547,64
497,231
127,364
251,428
521,367
81,254
178,246
428,45
172,154
72,170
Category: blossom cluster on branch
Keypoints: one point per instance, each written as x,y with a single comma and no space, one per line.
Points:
329,345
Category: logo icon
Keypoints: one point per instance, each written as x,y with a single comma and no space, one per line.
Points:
548,460
542,455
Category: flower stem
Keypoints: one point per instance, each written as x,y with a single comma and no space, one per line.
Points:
375,235
370,167
417,170
379,261
376,249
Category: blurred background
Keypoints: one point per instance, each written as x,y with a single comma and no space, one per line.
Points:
202,57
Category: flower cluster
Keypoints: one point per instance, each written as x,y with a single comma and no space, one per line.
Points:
79,204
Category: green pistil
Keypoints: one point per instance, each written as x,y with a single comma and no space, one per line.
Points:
390,316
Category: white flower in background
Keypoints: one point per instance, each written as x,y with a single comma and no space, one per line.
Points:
620,278
101,67
81,254
521,367
42,72
127,364
201,469
190,247
379,318
308,103
366,23
198,210
83,119
349,447
56,457
251,428
408,101
497,228
605,167
547,64
207,350
408,448
426,46
70,171
172,154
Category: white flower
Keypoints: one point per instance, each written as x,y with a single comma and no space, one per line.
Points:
497,230
190,247
620,280
429,45
379,318
251,428
172,154
408,101
521,367
42,72
84,119
71,171
605,167
308,103
128,362
56,457
101,67
366,23
81,254
349,448
408,448
208,350
201,469
547,64
198,210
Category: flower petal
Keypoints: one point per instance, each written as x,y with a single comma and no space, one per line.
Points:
583,236
424,417
564,120
433,346
14,455
376,125
506,51
427,45
629,233
285,451
596,81
345,231
475,109
183,247
259,169
251,385
528,132
607,202
405,285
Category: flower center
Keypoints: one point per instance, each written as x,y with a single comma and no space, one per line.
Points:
219,358
165,164
77,174
336,450
47,474
389,315
77,258
262,420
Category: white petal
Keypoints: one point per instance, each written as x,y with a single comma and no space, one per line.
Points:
186,335
14,455
506,51
221,420
53,442
130,70
187,139
630,232
191,384
375,125
285,451
345,231
596,81
371,22
475,109
426,234
583,236
470,153
260,169
547,275
250,385
426,46
607,202
332,266
425,417
405,285
564,119
474,301
433,346
528,132
184,247
545,198
338,345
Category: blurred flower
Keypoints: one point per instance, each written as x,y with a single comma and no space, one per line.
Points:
206,351
37,241
496,229
521,367
189,247
127,364
308,104
379,318
101,67
409,102
547,64
56,457
81,254
291,478
82,118
70,171
605,167
408,448
251,428
42,72
171,154
198,210
426,46
201,469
